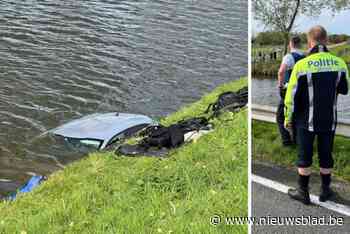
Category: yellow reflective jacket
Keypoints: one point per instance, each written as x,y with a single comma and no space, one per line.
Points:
311,98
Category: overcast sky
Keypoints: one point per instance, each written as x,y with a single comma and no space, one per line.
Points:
337,24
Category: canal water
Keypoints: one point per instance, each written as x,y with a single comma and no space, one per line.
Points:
265,92
60,60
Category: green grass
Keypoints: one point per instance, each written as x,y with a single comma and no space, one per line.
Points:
107,194
267,147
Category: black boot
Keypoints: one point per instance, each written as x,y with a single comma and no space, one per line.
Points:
326,194
302,193
326,191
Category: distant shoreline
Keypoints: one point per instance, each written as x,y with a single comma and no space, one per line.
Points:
262,65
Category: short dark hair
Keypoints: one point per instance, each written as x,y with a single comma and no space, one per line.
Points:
296,40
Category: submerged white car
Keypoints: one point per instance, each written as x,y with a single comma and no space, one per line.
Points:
99,131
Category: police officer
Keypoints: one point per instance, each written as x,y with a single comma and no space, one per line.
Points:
284,74
311,100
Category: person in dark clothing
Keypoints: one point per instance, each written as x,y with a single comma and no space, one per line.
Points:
284,73
311,107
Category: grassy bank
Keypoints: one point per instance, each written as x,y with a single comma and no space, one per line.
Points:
270,68
107,194
266,69
267,147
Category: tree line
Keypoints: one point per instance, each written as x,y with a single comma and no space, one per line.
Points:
280,15
273,38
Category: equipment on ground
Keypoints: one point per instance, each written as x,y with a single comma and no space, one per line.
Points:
32,183
229,101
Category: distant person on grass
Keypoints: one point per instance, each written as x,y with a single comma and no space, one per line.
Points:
311,102
284,74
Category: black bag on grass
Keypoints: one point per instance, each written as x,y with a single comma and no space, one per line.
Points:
157,143
168,137
229,101
172,136
159,139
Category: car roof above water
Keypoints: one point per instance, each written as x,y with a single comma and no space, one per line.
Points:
101,126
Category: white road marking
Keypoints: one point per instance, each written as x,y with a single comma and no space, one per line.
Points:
340,208
5,180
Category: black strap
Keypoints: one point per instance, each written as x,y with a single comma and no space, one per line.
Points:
208,109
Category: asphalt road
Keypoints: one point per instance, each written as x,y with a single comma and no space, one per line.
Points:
269,202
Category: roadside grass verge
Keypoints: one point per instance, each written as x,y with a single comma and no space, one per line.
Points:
267,147
104,193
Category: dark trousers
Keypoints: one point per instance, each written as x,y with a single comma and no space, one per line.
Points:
286,138
324,147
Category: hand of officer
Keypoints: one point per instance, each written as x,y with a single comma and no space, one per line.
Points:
289,127
280,85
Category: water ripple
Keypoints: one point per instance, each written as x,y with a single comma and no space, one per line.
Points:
60,60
